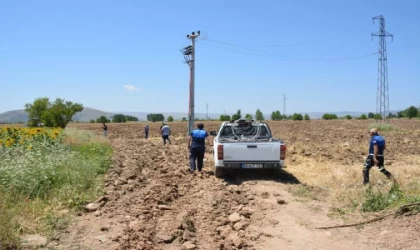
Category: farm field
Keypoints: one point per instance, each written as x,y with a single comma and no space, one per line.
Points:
154,203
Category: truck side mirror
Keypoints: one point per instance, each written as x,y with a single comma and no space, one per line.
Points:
213,133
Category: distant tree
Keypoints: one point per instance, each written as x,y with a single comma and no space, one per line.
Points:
259,115
248,116
329,116
378,117
349,117
102,119
391,115
155,117
56,114
412,112
306,117
371,115
297,117
37,110
132,118
119,118
401,114
184,119
276,116
363,117
224,117
92,121
237,116
170,118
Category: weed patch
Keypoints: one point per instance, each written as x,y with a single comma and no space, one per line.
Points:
48,171
383,126
378,201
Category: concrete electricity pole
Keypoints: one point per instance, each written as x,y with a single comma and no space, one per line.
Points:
284,105
207,111
189,56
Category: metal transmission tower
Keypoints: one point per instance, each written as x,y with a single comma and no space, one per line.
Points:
189,56
382,96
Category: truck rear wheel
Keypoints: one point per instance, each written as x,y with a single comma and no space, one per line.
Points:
219,172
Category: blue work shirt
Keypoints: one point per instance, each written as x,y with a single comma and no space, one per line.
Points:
198,138
377,140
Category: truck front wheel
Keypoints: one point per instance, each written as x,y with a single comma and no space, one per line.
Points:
219,172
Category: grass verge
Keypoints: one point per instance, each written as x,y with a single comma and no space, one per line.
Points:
42,183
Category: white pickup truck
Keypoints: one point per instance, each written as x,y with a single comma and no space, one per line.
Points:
244,144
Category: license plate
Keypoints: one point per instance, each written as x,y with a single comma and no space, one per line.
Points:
252,165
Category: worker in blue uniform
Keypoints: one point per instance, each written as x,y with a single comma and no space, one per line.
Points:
377,146
197,147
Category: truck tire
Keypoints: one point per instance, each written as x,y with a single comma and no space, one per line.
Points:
219,172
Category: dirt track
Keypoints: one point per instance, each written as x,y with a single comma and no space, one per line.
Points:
154,203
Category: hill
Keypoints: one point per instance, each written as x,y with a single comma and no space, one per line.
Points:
19,116
14,116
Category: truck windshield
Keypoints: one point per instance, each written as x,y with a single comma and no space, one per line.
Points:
245,133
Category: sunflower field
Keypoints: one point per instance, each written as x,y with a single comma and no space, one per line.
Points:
12,137
43,171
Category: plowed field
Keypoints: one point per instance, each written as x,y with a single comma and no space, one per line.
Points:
153,202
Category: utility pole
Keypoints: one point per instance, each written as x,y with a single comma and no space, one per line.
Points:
207,111
382,96
189,56
284,104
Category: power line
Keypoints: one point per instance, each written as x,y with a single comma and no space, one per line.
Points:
288,58
382,96
275,45
242,47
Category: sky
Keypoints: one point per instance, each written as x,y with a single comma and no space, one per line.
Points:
125,55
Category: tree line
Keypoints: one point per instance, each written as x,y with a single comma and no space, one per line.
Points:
275,116
410,112
117,118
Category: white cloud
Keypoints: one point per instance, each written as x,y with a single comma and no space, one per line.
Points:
130,87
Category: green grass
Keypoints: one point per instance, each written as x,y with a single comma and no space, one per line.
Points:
383,126
380,200
36,184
